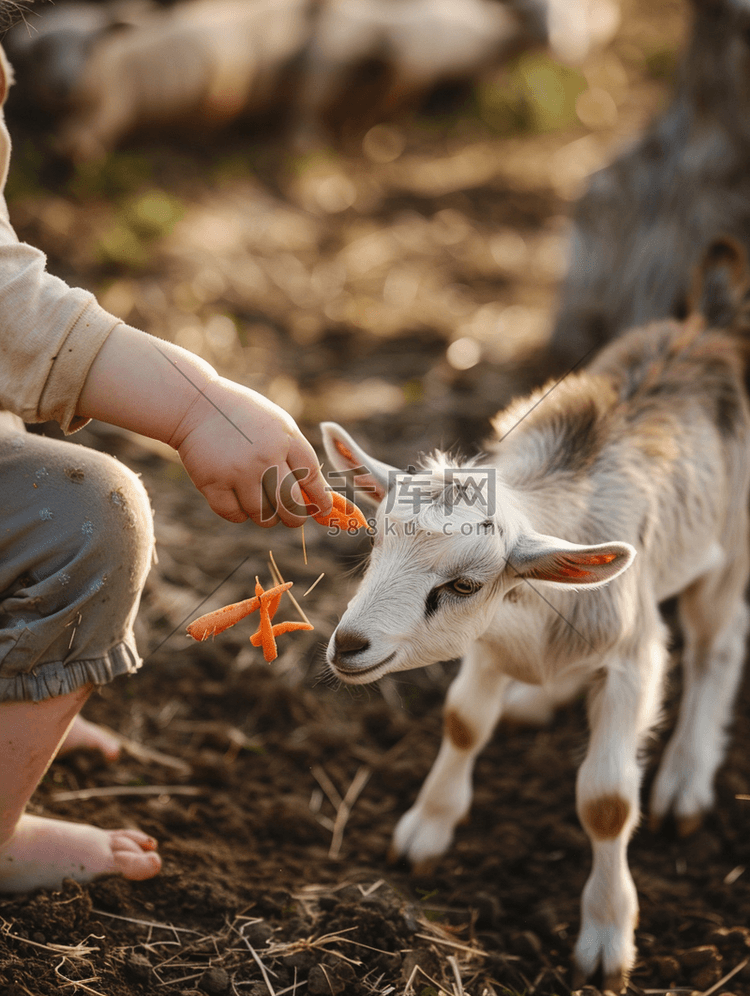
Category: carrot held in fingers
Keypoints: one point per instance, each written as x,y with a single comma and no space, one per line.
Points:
344,514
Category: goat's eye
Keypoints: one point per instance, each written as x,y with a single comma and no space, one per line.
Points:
463,586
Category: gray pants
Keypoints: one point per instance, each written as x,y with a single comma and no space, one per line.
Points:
76,545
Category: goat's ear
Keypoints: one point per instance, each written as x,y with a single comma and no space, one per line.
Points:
370,478
6,77
545,558
720,282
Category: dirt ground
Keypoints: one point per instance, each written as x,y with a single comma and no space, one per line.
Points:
355,287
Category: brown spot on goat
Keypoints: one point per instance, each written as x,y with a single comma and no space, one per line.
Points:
605,816
458,731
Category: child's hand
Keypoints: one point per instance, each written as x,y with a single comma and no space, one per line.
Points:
242,451
245,454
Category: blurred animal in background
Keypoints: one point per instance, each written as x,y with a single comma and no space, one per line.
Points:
50,46
110,69
195,65
642,225
645,452
411,47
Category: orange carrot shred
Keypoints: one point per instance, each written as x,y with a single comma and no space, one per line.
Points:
265,636
280,628
220,619
344,513
217,621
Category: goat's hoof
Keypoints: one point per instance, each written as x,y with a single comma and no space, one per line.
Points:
615,983
394,856
424,868
655,822
687,825
578,978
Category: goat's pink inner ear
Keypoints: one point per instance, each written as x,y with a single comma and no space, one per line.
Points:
594,559
586,567
344,450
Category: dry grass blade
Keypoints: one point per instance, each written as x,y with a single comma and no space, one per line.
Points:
726,978
317,579
438,986
476,952
453,962
409,988
78,983
277,575
283,949
145,923
321,777
148,754
731,877
260,965
345,809
371,888
232,733
117,790
80,950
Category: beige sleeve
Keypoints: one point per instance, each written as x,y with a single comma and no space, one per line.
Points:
50,334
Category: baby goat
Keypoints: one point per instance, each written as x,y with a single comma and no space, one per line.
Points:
642,465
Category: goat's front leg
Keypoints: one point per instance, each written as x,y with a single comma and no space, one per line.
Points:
472,709
623,707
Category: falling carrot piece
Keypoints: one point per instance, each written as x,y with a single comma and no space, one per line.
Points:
268,603
265,630
279,629
220,619
344,514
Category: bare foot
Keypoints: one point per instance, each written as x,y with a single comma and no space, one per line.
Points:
85,734
42,852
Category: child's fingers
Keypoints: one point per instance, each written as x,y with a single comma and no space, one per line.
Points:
308,474
283,493
225,503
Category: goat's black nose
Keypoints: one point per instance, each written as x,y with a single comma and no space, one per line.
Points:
346,643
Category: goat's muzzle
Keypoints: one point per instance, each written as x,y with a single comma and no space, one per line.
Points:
344,650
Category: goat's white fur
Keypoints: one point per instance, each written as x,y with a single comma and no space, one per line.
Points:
674,485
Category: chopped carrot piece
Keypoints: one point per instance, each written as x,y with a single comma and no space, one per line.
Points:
220,619
266,627
344,514
280,628
265,636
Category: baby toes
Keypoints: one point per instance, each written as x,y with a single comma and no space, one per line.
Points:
134,854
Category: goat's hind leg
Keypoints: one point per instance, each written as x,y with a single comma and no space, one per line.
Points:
623,707
472,709
714,618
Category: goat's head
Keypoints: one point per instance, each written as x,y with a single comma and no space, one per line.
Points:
449,544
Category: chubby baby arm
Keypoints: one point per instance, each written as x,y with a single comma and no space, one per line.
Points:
241,451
